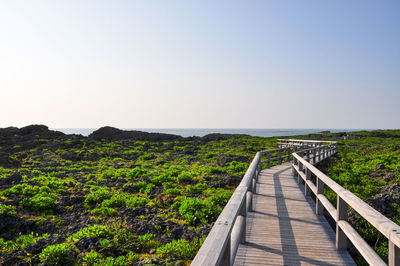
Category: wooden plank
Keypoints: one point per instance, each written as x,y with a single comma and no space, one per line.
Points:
284,229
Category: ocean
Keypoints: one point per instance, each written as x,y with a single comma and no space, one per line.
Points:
188,132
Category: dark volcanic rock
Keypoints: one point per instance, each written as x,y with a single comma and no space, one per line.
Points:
8,224
111,134
393,189
86,244
383,204
13,140
11,180
224,159
380,166
43,243
223,182
219,136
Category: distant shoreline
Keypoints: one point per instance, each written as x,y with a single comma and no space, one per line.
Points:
189,132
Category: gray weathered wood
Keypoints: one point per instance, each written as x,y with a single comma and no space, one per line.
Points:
320,191
341,239
394,253
366,251
284,229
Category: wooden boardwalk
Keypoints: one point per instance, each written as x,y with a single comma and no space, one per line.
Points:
283,228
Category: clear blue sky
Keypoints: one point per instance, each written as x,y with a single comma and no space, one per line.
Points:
200,64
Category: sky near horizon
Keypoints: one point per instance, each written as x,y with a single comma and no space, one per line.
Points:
200,64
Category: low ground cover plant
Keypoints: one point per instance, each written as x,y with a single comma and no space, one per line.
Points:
93,201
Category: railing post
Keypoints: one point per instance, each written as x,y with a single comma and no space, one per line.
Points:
288,154
306,186
279,156
394,254
341,239
319,154
320,190
300,169
226,257
253,183
294,172
268,159
249,196
308,155
314,155
243,213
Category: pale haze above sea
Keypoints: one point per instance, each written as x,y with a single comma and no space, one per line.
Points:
188,132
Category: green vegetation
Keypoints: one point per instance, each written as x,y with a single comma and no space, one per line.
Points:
60,254
71,199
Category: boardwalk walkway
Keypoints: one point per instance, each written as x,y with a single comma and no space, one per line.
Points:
283,228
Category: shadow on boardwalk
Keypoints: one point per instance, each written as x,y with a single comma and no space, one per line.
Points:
283,228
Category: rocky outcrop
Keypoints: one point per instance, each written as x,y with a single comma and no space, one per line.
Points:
219,136
14,139
112,134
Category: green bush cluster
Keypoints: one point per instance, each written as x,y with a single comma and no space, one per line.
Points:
60,254
42,202
7,209
94,231
182,248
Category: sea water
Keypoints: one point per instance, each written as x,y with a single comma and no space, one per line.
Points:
188,132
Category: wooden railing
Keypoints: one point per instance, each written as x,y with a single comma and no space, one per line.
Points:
296,142
315,181
229,230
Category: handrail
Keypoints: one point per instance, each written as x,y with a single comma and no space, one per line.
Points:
229,230
304,169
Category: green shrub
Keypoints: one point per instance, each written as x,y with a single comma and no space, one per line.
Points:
237,167
147,242
137,187
104,211
195,211
221,197
184,177
182,248
43,202
174,170
197,189
172,191
117,200
98,194
60,254
162,178
146,157
134,202
21,242
8,210
91,258
131,258
110,261
21,189
137,172
94,231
